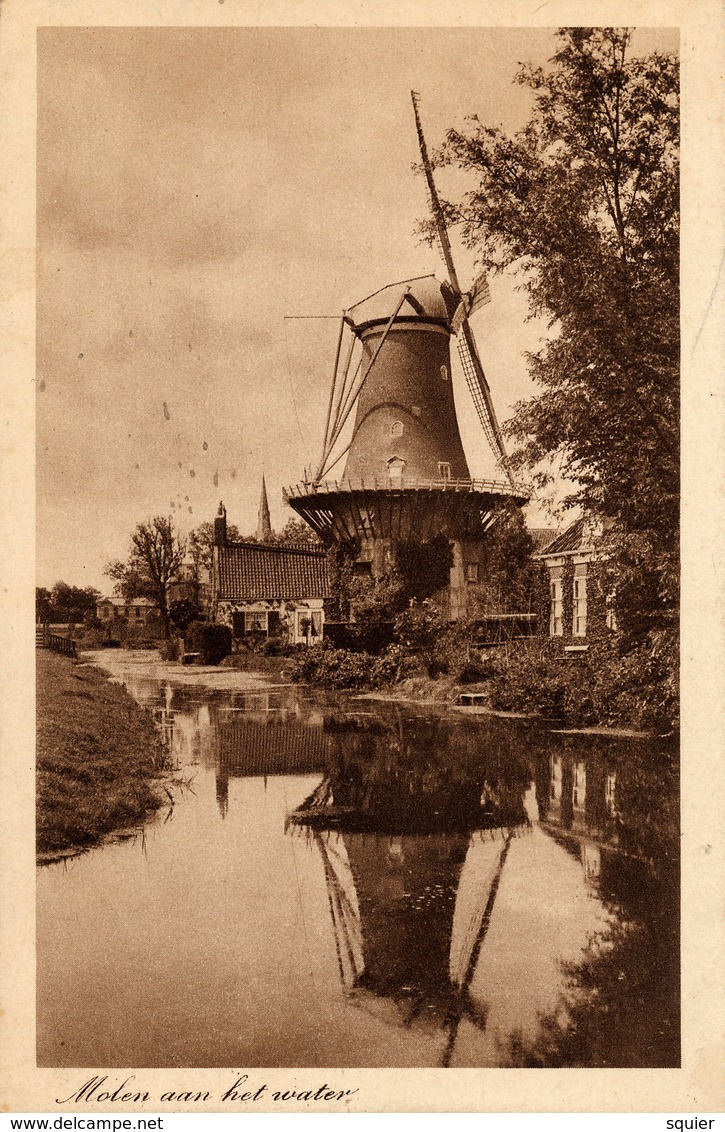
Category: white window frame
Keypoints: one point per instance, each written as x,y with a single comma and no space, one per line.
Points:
579,603
314,616
472,572
251,615
396,428
444,470
556,615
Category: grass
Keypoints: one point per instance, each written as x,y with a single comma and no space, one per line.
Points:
99,756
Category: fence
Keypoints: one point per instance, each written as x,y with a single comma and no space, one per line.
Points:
63,645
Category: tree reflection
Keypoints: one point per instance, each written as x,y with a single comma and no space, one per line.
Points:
620,1004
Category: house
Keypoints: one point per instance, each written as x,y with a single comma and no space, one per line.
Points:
264,590
575,606
135,611
541,537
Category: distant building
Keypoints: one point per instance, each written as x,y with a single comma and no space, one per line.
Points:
262,590
574,604
191,584
135,611
264,523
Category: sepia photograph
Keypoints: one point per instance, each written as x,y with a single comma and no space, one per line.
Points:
357,559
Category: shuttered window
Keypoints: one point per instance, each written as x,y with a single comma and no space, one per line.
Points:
255,622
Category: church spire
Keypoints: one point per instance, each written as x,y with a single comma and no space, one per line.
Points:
264,526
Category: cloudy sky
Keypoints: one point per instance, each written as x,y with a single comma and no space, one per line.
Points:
196,186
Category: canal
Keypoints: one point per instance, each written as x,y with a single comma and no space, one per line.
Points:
347,882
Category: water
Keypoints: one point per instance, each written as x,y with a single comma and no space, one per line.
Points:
352,883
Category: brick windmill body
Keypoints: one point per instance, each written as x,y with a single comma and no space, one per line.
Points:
406,480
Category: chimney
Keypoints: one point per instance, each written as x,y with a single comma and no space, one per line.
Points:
220,526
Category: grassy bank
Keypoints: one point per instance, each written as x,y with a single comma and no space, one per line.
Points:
98,756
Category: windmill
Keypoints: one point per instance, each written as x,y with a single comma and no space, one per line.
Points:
391,416
469,302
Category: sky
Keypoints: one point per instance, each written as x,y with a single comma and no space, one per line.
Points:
195,189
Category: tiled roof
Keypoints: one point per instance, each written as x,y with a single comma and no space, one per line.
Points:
575,537
541,536
254,572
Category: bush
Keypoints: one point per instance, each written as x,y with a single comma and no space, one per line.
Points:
333,668
614,685
277,646
212,642
170,649
419,626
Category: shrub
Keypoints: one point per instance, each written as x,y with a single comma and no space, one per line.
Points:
277,646
332,668
419,626
170,649
213,642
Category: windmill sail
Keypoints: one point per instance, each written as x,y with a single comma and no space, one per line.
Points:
477,297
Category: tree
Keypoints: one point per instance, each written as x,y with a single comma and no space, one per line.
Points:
583,204
295,533
155,556
183,612
201,542
71,603
43,604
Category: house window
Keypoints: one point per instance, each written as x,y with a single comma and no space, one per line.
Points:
444,471
444,373
610,617
309,624
472,572
396,429
579,619
395,467
579,790
556,614
255,621
610,791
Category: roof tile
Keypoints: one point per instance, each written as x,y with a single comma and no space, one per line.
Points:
574,537
255,572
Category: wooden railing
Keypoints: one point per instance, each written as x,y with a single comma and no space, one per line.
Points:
63,645
325,487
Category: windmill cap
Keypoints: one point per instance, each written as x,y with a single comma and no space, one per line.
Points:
428,300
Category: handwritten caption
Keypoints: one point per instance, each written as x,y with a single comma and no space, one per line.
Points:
97,1090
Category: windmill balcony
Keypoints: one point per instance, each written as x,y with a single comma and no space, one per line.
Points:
400,509
519,491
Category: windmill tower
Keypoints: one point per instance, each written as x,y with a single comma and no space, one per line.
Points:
405,477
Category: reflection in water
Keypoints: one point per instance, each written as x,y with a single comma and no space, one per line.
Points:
375,886
392,889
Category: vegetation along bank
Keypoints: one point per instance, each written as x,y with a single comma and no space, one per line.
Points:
99,756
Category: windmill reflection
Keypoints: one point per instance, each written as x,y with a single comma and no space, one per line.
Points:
413,828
